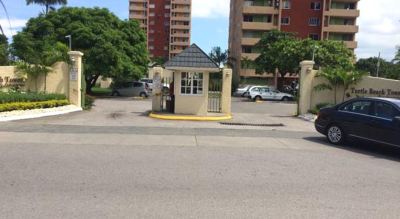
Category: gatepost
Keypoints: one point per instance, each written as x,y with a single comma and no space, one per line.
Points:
75,78
226,91
307,75
157,89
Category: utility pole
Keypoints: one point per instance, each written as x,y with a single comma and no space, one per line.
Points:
378,65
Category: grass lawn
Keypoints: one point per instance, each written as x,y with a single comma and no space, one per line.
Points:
97,91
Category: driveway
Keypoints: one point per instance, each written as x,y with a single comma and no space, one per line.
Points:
114,162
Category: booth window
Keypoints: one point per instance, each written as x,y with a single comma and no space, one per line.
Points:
191,83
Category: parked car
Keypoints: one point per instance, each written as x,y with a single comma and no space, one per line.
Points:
130,89
268,93
148,81
371,119
243,91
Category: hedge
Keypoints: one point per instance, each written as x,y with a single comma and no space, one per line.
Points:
29,97
32,105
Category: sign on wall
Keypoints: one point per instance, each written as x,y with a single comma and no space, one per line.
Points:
375,92
7,82
73,76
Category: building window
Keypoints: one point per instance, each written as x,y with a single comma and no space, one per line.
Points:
314,21
287,4
191,83
152,6
316,6
285,20
314,36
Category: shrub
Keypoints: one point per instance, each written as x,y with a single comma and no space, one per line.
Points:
11,97
32,105
318,107
88,102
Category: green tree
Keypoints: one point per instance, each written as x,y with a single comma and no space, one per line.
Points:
386,69
283,52
47,3
4,50
218,56
112,48
396,59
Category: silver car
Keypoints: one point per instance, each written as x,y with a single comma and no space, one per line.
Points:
131,89
268,93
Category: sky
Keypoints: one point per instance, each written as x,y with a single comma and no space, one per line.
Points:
379,22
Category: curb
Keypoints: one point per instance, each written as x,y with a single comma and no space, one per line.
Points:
40,115
190,118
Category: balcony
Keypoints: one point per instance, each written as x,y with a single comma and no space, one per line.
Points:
341,28
138,16
250,41
181,2
251,56
351,44
180,27
258,26
259,10
342,13
181,10
180,43
180,18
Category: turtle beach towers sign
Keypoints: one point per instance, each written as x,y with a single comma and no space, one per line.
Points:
376,92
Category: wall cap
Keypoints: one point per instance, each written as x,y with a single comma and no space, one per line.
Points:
307,63
75,53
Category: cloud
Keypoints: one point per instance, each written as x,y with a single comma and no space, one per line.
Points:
210,8
379,28
16,25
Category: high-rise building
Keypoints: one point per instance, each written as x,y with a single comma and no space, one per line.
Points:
167,24
316,19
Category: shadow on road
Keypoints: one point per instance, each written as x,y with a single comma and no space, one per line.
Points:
362,147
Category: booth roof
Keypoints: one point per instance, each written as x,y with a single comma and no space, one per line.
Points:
192,57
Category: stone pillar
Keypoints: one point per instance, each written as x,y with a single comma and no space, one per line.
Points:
226,98
75,78
307,75
157,89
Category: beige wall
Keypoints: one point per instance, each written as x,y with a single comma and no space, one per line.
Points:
56,80
368,87
226,98
191,104
166,73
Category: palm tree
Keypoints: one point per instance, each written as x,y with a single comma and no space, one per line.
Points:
47,3
339,77
218,56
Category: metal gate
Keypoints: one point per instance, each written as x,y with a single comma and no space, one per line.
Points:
214,96
167,95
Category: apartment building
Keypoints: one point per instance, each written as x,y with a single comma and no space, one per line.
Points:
167,24
316,19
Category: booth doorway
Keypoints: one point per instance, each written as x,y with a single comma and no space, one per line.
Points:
215,93
168,96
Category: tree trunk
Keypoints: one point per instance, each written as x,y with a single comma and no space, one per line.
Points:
45,83
91,82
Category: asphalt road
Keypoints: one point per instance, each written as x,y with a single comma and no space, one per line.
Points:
51,170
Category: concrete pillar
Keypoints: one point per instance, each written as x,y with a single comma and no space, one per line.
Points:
157,89
226,98
75,78
307,75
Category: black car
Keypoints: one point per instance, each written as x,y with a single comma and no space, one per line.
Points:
370,119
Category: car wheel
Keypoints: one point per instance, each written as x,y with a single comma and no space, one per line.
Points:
285,99
143,95
115,93
257,98
335,134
